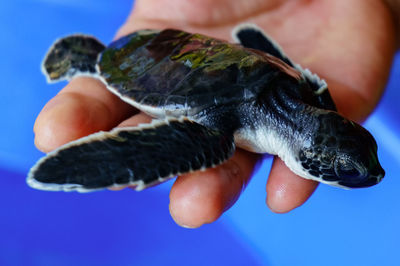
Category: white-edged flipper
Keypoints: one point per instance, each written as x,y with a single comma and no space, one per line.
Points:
251,36
74,55
139,156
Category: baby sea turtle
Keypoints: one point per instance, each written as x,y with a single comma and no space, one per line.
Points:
207,97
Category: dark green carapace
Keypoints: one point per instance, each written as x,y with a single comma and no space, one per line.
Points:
183,69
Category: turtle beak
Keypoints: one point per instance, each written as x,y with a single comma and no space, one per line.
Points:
375,176
378,173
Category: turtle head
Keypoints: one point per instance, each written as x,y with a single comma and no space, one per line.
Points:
342,153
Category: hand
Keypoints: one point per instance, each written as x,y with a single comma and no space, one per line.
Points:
348,43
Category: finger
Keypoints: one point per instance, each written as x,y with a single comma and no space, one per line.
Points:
285,190
84,106
201,197
139,118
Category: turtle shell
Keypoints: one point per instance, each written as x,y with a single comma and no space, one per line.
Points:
175,70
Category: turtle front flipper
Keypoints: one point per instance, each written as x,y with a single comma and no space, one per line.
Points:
139,156
72,56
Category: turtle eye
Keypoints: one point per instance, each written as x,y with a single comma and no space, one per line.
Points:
348,173
344,168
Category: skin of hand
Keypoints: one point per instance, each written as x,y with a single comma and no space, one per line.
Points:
394,6
348,43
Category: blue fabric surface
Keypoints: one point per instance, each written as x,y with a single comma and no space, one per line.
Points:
335,227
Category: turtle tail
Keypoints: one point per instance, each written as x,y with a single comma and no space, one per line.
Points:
72,56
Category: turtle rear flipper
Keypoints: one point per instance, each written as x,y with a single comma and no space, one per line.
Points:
139,156
251,36
72,56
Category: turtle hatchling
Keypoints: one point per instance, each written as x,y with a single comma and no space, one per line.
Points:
207,97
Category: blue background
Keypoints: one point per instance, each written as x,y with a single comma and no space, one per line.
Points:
335,227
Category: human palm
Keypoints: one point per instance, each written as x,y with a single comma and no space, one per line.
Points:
348,43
